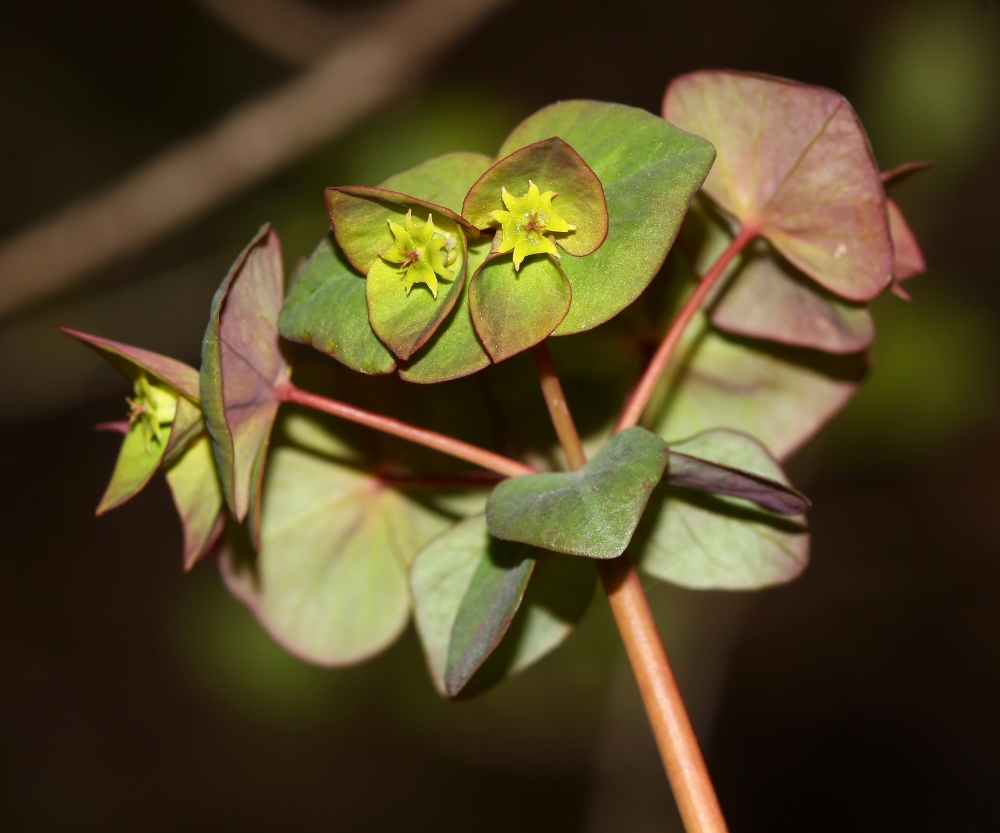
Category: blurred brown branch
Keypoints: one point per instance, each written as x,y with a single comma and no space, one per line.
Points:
296,31
244,147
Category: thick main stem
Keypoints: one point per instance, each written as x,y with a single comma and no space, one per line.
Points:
665,708
672,729
632,412
431,439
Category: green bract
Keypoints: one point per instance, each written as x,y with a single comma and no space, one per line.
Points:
164,428
605,184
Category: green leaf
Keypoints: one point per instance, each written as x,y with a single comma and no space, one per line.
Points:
328,309
142,452
487,609
557,596
443,180
514,310
242,370
795,164
771,299
716,542
553,166
197,493
360,215
454,350
591,512
649,169
329,582
779,394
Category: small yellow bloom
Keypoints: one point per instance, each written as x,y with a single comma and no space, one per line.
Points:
153,407
417,248
524,225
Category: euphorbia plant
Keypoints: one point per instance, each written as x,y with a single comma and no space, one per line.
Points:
688,391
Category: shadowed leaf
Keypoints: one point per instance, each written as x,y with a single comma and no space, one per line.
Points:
557,595
487,609
771,299
708,541
514,310
649,170
329,582
794,163
909,260
693,472
553,166
197,493
327,308
242,368
591,512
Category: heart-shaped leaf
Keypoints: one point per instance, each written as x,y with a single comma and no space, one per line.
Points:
718,542
442,580
197,493
794,164
591,512
514,310
329,582
242,369
327,308
649,170
551,165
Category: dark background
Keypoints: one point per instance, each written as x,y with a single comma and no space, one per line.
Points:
863,696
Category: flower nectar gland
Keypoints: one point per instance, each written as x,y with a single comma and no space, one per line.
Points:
417,249
524,225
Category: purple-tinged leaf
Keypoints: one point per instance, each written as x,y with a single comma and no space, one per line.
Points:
771,299
794,164
909,260
553,166
242,370
132,361
720,541
695,473
903,172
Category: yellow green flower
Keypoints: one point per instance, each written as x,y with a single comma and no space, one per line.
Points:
417,249
526,222
153,407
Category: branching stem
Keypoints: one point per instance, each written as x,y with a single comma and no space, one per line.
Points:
432,439
672,729
640,397
555,400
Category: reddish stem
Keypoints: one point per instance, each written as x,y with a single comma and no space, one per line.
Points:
431,439
665,708
672,729
640,397
555,400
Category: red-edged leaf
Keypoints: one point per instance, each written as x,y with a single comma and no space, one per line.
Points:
793,163
242,369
